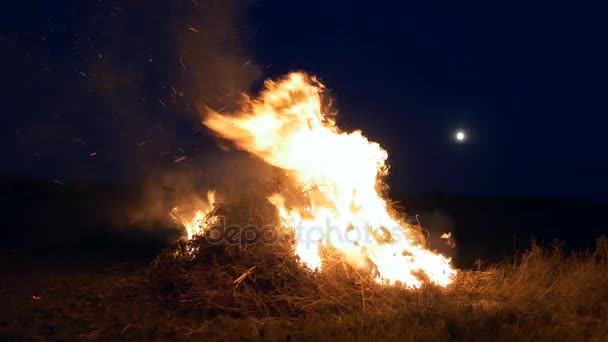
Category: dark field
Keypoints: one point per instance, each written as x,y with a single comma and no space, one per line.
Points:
75,268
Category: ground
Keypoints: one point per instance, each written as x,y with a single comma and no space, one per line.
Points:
545,295
67,272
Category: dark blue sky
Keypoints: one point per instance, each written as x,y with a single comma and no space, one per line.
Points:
528,84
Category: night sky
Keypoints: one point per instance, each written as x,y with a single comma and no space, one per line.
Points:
106,90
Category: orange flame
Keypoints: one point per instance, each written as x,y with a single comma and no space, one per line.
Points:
195,223
287,127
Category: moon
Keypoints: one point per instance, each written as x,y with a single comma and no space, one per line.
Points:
460,136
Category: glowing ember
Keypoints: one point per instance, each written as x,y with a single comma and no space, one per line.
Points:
288,127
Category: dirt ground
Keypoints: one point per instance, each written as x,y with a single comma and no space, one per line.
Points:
96,299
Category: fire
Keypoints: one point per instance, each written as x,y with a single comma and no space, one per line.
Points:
339,174
195,223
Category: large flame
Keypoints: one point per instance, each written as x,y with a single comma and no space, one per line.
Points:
288,127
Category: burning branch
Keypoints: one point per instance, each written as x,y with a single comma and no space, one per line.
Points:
238,280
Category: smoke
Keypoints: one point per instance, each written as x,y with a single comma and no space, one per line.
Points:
158,58
101,108
156,62
440,228
121,76
215,67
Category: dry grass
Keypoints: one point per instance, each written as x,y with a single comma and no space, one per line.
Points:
540,294
254,291
225,276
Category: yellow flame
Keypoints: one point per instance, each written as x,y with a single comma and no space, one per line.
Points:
196,223
287,127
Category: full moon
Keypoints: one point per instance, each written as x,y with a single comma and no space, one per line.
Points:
460,136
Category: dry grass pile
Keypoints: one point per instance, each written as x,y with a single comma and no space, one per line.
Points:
245,266
541,293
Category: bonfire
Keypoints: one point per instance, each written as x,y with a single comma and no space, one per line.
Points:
324,226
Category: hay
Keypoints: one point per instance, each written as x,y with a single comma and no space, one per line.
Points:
223,273
540,294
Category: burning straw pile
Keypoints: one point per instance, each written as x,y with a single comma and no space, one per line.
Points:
245,265
262,256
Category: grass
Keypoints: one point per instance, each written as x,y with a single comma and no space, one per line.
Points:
541,294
